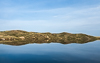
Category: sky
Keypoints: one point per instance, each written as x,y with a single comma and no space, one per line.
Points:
55,16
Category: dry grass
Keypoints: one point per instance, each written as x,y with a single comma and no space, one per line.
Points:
31,36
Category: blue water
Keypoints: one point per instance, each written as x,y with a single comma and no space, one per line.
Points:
51,53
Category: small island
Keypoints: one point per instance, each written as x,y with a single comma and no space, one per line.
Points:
20,37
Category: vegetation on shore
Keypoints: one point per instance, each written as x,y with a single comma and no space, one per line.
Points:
98,37
20,37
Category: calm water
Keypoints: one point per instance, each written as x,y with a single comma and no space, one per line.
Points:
51,53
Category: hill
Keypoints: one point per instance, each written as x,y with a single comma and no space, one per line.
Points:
24,36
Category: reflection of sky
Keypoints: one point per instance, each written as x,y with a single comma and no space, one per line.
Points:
53,52
75,16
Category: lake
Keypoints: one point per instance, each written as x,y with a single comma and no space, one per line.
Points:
51,53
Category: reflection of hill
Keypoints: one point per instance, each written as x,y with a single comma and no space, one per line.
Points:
16,43
18,37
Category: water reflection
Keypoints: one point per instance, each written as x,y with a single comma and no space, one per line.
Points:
51,53
62,41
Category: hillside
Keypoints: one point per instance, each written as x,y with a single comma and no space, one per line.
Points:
34,37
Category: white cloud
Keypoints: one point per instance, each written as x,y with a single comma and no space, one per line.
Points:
63,19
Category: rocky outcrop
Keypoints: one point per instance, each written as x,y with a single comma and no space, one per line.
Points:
22,38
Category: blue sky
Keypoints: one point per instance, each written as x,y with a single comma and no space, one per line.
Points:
55,16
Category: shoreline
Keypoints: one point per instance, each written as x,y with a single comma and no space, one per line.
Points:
98,37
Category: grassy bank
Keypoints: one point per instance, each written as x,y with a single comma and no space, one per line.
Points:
98,37
34,37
